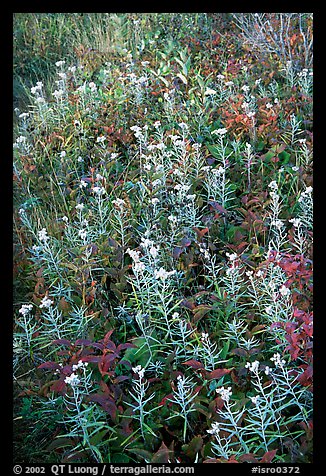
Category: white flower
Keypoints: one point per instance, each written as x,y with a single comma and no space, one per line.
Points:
25,309
204,336
63,154
232,256
175,315
43,235
273,185
58,94
210,92
134,255
254,399
220,131
139,371
65,219
225,393
258,81
46,302
269,310
80,206
153,252
252,367
101,139
267,370
251,114
98,190
79,365
284,291
23,115
269,105
229,83
119,203
245,88
82,234
215,429
155,200
157,124
92,86
60,63
296,222
162,274
277,360
138,267
73,380
183,125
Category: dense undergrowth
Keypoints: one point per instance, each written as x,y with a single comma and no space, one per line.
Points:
163,238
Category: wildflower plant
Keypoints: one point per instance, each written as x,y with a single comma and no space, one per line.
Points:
169,204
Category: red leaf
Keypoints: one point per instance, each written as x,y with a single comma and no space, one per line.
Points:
177,252
194,364
49,365
162,455
91,358
58,386
185,242
127,345
200,233
62,342
267,458
240,352
248,458
83,342
218,207
121,378
217,374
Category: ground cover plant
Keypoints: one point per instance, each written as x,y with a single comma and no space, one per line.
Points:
163,233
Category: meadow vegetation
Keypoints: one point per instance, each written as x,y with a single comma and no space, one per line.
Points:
163,232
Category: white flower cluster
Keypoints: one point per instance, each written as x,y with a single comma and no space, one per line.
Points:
306,193
284,291
138,131
79,365
254,399
149,245
215,429
46,302
225,393
25,309
43,235
99,190
252,367
139,371
137,265
232,256
277,360
72,380
162,274
119,203
220,132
